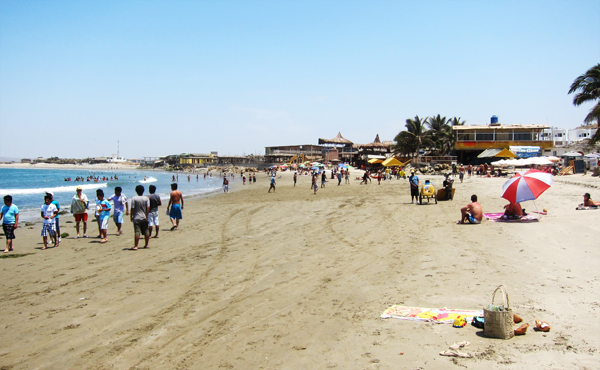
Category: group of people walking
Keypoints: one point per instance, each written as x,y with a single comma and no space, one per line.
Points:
142,211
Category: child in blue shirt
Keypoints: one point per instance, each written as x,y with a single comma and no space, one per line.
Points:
103,208
10,221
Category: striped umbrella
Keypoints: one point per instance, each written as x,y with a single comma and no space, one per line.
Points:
527,185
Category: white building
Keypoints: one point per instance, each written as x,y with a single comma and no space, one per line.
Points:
566,140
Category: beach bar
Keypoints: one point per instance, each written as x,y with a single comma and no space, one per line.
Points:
470,141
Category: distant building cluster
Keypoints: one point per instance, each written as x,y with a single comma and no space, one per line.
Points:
469,143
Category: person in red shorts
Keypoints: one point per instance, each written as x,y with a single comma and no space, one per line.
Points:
79,207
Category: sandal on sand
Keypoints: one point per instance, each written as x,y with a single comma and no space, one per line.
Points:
521,329
459,345
517,319
542,325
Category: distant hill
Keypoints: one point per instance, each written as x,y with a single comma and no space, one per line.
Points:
10,159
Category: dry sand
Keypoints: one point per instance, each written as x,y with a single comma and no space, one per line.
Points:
291,280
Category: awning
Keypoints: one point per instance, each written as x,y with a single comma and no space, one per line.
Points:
497,153
392,161
375,160
525,151
375,156
572,154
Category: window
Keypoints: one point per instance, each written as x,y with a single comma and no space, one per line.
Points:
523,136
484,136
466,137
503,136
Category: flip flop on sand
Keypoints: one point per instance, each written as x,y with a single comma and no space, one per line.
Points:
459,345
517,319
133,249
542,325
521,329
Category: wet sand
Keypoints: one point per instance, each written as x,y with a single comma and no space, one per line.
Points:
293,280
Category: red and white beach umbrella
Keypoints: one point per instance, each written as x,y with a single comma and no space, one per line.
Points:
527,185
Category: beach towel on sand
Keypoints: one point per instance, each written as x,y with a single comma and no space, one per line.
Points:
497,217
584,208
435,315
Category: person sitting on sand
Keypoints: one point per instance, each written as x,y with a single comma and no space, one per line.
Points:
513,211
472,212
448,186
588,202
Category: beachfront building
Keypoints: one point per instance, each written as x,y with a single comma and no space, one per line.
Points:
197,160
285,153
373,153
522,140
246,160
338,149
569,140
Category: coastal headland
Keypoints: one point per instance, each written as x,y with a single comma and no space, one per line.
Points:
292,280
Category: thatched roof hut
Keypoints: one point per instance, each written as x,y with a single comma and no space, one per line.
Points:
375,144
339,140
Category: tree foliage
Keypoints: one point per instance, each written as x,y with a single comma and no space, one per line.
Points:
587,89
411,141
431,133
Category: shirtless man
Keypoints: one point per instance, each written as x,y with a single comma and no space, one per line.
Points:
513,210
176,201
472,212
588,202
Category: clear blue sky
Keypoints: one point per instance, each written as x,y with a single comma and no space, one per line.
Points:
166,77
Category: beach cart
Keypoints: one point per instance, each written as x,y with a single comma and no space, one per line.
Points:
427,192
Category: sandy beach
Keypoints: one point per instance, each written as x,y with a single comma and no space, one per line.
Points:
292,280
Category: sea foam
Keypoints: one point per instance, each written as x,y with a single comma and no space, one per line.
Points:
59,189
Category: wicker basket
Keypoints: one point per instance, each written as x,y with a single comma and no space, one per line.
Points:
499,324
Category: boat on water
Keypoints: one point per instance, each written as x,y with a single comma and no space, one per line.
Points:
115,159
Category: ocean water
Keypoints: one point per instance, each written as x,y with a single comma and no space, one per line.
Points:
27,186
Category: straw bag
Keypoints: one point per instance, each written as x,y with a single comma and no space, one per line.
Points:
499,324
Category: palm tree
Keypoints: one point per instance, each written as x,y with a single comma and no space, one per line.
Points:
413,139
587,87
440,133
455,121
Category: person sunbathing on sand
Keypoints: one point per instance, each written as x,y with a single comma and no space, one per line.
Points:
513,210
588,202
472,212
